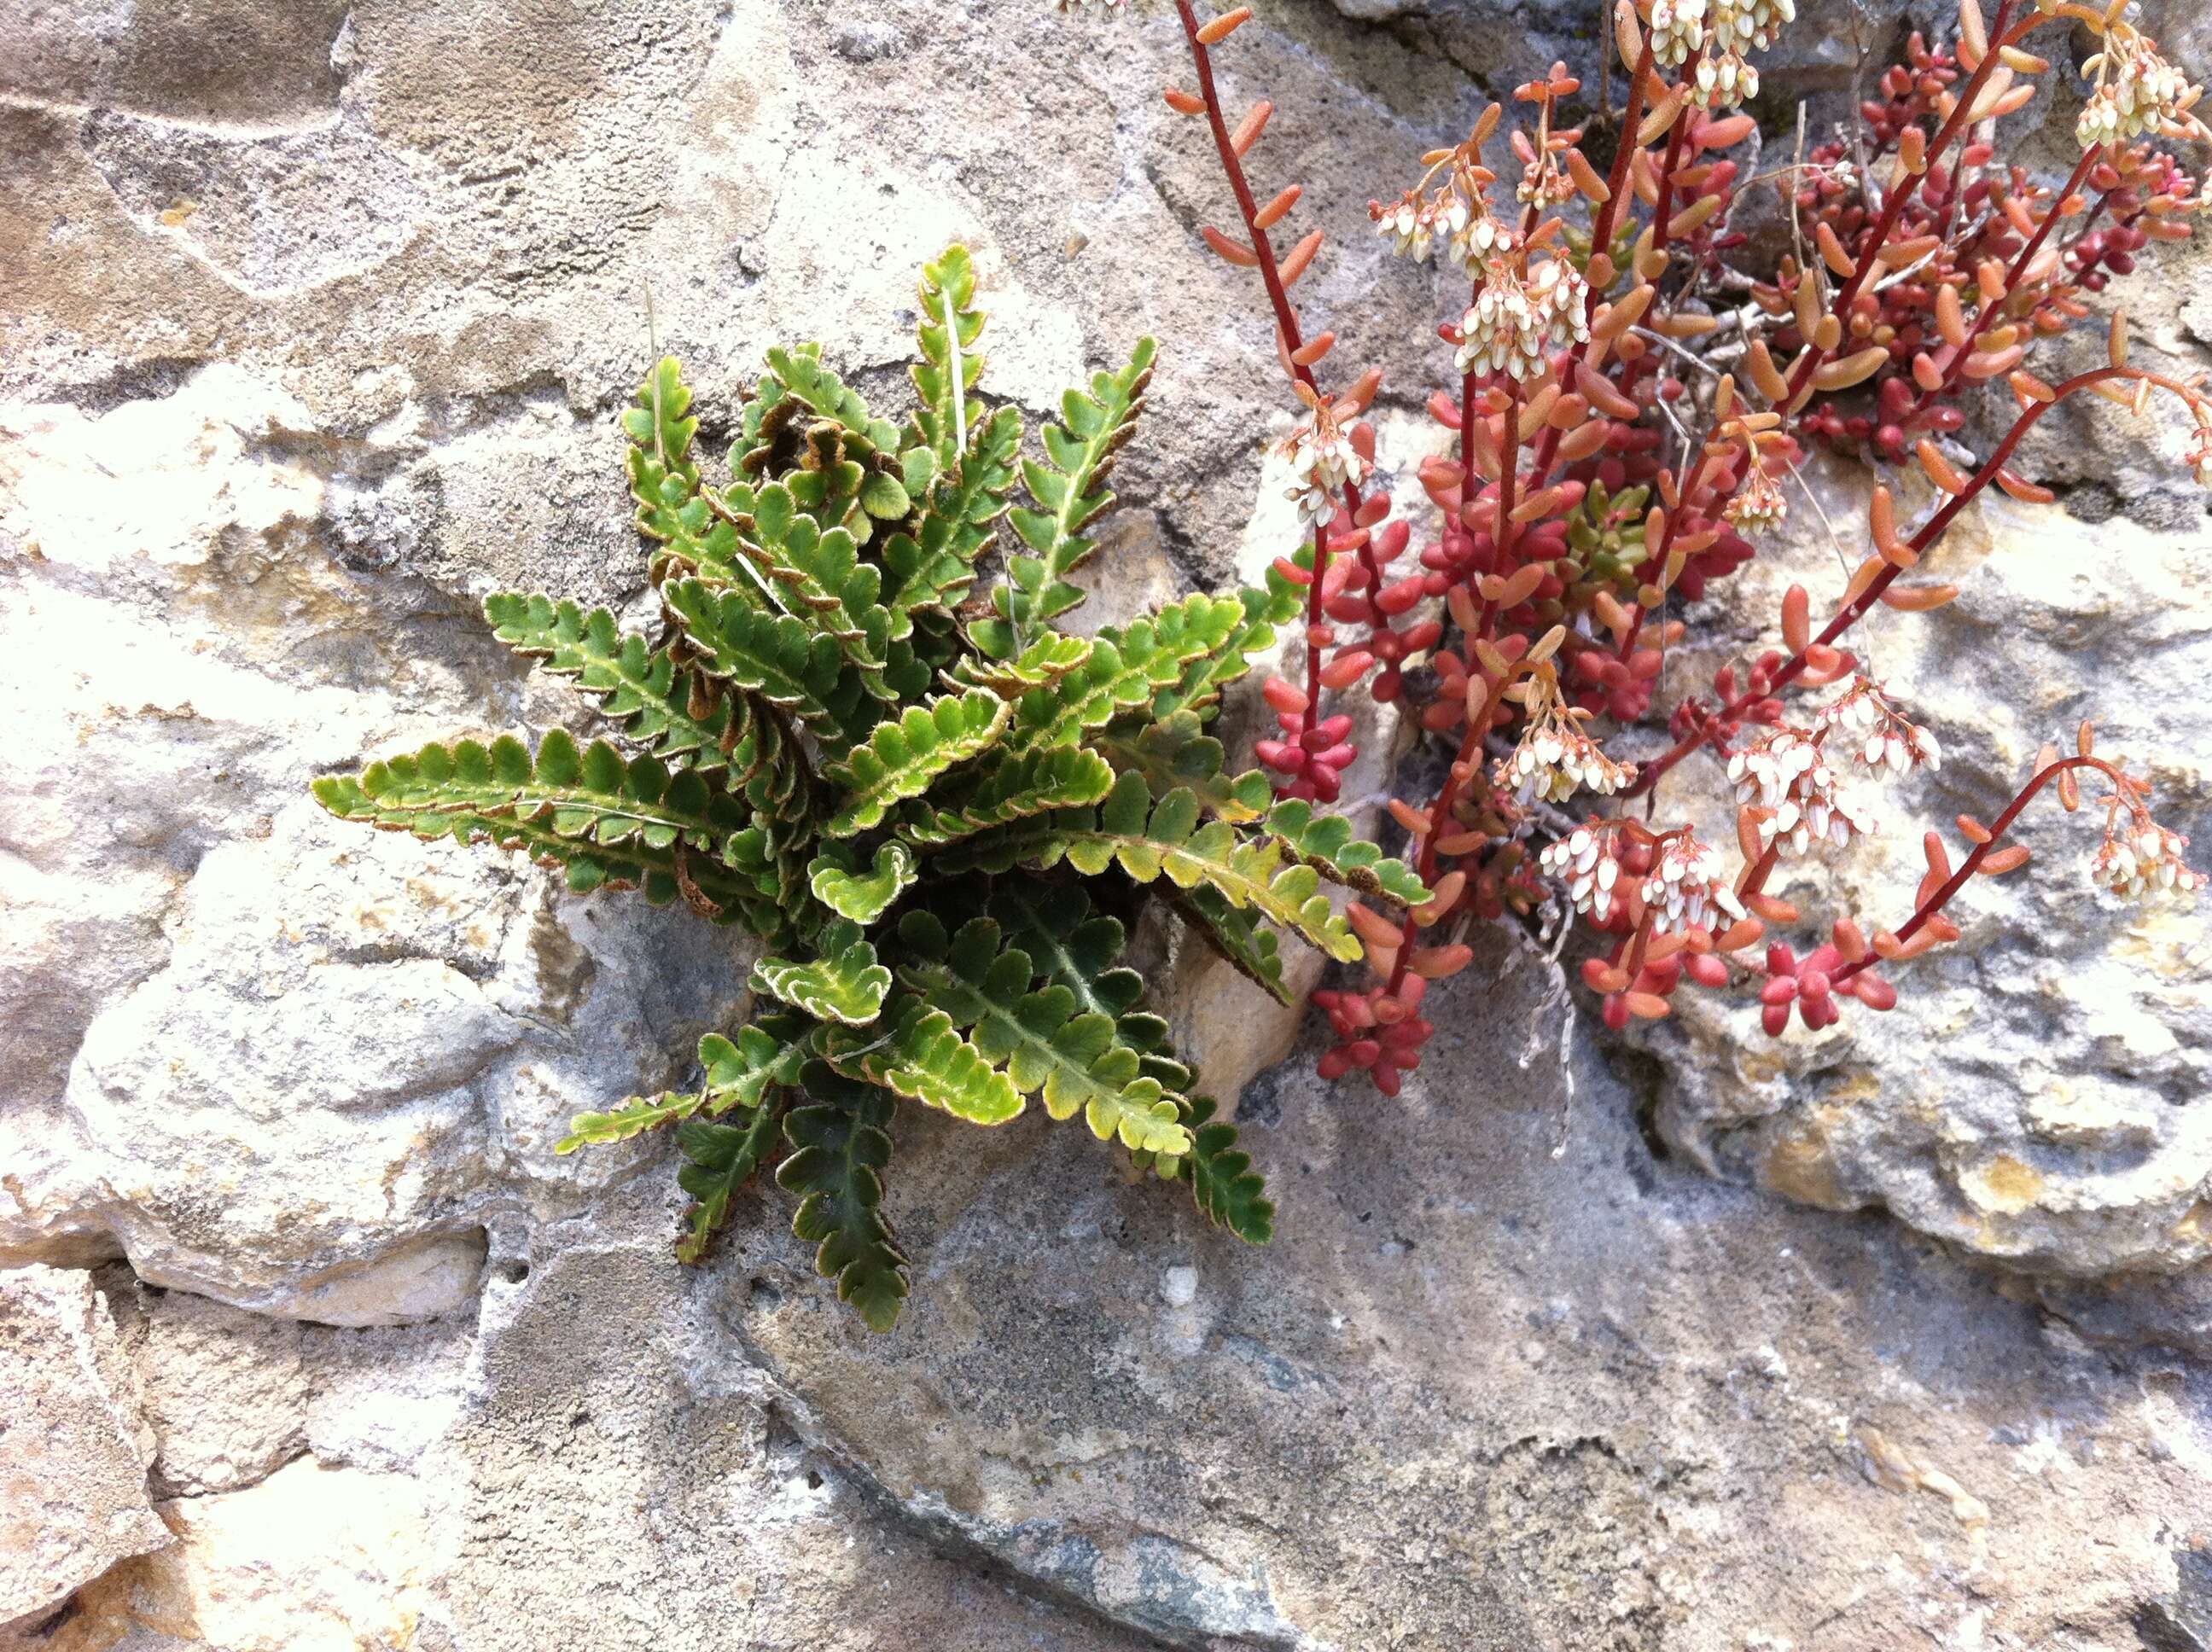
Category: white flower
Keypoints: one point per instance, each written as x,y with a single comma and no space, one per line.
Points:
1737,24
1555,758
1510,325
1560,292
1803,800
1475,236
1689,886
1325,463
1876,733
1678,28
1726,80
1409,220
1587,862
2144,859
2137,92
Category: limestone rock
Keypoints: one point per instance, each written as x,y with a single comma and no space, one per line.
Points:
73,1449
2034,1096
225,1391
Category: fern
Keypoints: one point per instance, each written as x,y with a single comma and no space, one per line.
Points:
835,877
841,1148
886,781
1072,489
664,707
902,757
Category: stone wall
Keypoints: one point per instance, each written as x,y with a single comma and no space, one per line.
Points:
317,317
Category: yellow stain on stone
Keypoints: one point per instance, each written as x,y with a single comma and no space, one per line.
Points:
1799,1165
2003,1184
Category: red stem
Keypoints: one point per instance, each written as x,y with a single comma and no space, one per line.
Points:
1989,309
1972,864
1287,319
1852,612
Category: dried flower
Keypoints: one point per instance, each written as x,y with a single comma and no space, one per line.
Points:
1689,886
1802,799
2137,91
1883,738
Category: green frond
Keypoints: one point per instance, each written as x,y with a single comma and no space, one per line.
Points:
840,1148
1265,611
665,707
844,984
1223,1186
818,575
1045,662
838,882
1251,948
663,477
929,569
1148,841
1327,844
1126,668
1073,1058
906,753
925,1058
789,665
1069,490
737,1074
1177,752
1009,786
1078,949
949,282
719,1160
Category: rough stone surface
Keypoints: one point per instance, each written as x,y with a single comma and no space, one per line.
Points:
313,323
74,1448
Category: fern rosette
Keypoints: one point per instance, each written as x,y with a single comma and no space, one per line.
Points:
926,805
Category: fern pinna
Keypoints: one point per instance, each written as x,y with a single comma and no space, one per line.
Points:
909,792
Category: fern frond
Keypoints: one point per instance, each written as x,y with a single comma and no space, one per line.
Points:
906,753
1010,786
738,1074
1148,841
656,702
1325,843
775,656
819,574
844,984
1073,1060
663,478
925,1058
1223,1186
1251,948
837,882
929,569
1177,752
720,1159
1078,949
1127,667
949,282
1045,661
1264,610
840,1147
795,385
1072,490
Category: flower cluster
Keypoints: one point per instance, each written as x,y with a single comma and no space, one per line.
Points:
1511,324
1882,737
1689,887
1323,459
1587,863
2139,857
1555,758
1722,31
2137,91
1799,798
